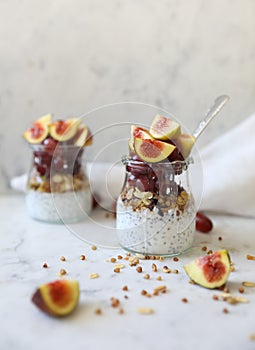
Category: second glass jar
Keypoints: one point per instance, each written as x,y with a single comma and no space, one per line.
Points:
58,189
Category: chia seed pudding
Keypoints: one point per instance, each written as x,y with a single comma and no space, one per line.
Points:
146,231
57,207
59,197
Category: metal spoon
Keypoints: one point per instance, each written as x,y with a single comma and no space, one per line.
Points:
211,113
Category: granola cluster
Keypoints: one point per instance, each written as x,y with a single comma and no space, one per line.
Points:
58,183
139,200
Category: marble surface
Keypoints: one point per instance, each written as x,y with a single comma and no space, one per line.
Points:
198,324
173,54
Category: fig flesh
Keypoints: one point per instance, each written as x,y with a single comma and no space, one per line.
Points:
210,271
152,151
58,298
163,128
64,130
39,131
139,132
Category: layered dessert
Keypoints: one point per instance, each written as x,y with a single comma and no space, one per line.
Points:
58,188
156,209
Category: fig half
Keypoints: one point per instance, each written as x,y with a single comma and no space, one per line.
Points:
210,271
39,131
58,298
139,132
89,138
184,143
163,128
152,151
64,130
81,136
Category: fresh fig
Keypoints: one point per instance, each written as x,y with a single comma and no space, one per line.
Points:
139,132
210,271
39,131
184,143
58,298
152,151
131,145
89,138
45,120
163,128
64,130
81,136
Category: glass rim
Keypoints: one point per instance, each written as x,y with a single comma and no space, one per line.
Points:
128,160
41,147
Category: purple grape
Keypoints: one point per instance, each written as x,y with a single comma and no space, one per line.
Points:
143,183
50,145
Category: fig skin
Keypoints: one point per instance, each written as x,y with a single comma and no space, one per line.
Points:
89,138
37,299
203,223
58,298
210,271
39,130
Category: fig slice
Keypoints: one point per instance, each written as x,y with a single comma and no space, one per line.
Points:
184,143
81,136
57,298
210,271
152,151
39,131
139,132
64,130
163,128
89,138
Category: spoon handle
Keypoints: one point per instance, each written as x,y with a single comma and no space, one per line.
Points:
211,113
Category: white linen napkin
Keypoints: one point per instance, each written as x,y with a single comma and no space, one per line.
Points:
18,183
229,171
228,174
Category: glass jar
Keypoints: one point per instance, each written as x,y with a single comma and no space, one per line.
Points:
156,209
58,189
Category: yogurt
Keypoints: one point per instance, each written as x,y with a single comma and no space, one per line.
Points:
146,231
63,207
